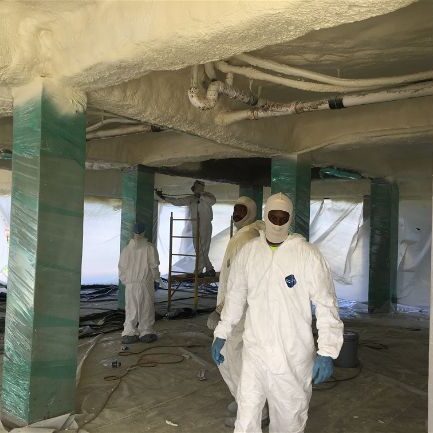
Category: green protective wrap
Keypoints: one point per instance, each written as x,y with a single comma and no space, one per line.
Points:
43,298
292,176
138,185
384,203
256,193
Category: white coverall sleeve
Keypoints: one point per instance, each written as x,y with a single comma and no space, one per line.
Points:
236,297
179,201
154,263
322,294
123,263
208,197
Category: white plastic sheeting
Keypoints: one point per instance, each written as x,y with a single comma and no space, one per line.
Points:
101,241
414,255
336,227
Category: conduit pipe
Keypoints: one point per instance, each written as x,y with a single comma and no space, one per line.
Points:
274,109
210,71
255,74
345,82
104,122
116,132
209,100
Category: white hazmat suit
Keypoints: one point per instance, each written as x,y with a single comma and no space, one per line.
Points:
278,285
138,270
248,229
202,205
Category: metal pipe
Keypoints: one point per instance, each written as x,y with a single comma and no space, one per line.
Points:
346,82
338,102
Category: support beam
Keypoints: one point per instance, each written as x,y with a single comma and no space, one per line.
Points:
430,373
292,176
384,201
256,193
137,206
42,316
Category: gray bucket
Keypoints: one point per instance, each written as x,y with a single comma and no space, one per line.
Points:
348,357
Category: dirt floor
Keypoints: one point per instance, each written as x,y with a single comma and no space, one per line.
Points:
388,394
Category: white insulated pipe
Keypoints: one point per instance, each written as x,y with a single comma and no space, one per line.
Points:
104,122
115,132
255,74
273,109
345,82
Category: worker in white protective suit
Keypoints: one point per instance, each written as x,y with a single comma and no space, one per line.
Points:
139,272
248,228
199,203
278,276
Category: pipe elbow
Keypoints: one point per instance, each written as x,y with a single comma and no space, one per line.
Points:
198,101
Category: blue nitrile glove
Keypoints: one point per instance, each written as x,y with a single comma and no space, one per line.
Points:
322,369
217,345
156,285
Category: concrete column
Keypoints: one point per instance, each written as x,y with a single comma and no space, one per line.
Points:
430,374
254,192
384,201
43,303
137,206
292,176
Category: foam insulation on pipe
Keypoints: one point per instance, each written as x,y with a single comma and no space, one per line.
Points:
274,109
347,82
208,101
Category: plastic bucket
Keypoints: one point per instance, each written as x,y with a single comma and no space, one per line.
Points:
348,357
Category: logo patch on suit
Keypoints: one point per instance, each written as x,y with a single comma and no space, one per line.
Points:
290,281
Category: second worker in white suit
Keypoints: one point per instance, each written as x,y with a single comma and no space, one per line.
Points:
278,276
199,203
248,228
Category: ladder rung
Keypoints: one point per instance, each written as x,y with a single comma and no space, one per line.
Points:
183,237
184,255
184,219
178,272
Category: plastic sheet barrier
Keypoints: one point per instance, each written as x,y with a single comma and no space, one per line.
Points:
336,227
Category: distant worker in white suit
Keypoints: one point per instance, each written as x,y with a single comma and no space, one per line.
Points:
200,202
277,276
139,272
248,228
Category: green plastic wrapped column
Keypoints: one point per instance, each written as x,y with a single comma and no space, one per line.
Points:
384,202
292,176
256,193
43,303
137,206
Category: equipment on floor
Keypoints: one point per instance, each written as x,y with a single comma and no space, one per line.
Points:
348,357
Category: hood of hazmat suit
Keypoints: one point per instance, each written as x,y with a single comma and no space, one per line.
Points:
277,234
251,215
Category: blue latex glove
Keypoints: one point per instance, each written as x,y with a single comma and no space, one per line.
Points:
217,345
322,369
156,285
